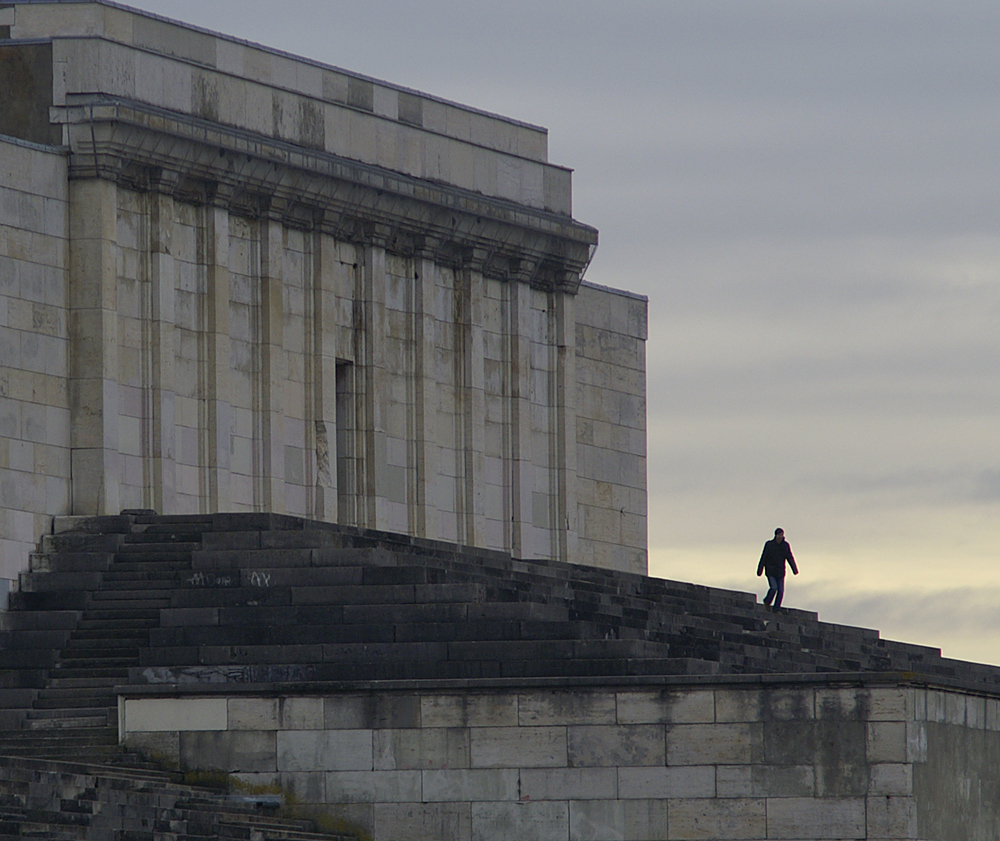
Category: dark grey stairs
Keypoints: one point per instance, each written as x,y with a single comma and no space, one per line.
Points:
114,597
145,599
86,802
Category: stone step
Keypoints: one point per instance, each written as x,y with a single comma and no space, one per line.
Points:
32,639
84,717
82,682
74,699
117,671
75,542
46,601
40,620
45,582
139,599
162,551
141,584
70,561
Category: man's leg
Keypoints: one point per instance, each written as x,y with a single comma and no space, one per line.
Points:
772,588
779,587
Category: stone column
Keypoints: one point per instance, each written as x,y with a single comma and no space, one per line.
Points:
564,334
94,385
519,378
162,445
324,377
473,406
272,369
218,432
426,455
371,383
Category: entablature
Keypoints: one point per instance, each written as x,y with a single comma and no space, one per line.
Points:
146,148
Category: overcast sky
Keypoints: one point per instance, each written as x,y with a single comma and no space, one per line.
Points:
809,195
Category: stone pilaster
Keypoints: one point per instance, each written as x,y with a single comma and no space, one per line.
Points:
218,431
272,369
162,448
323,379
469,356
94,391
426,460
371,383
519,379
564,433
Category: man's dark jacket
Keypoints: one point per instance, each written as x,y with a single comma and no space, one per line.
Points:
772,559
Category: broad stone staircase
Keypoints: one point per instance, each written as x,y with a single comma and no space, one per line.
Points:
257,598
83,613
64,801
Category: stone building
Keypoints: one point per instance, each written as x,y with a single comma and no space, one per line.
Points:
336,333
232,279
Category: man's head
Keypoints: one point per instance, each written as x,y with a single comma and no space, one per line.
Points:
779,535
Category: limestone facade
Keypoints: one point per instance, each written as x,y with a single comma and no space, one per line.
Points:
236,280
827,759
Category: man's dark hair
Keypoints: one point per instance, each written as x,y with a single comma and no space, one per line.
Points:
779,531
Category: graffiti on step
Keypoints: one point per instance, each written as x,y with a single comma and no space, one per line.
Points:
210,579
260,579
256,578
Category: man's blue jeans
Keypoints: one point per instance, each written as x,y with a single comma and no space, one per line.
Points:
776,590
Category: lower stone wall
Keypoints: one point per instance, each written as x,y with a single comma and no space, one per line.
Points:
600,764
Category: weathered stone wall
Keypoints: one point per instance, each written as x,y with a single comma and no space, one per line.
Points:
611,428
34,348
708,762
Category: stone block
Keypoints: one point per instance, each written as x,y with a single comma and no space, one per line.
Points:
765,780
423,821
659,783
815,818
993,714
324,750
305,786
814,742
891,704
373,787
520,821
636,744
231,751
787,704
566,707
300,713
163,747
646,820
843,704
518,747
714,744
666,706
144,715
253,713
569,784
890,780
733,705
886,741
471,784
413,748
891,817
371,711
717,820
597,820
916,741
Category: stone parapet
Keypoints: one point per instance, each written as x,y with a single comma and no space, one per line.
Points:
794,760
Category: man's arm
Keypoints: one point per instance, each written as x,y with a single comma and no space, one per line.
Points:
791,560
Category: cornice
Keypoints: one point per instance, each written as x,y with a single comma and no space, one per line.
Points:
145,148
